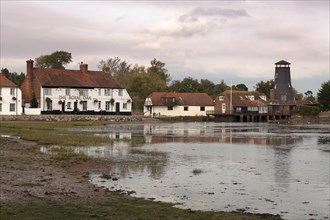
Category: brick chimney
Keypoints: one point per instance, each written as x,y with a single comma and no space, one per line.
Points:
29,67
84,67
27,87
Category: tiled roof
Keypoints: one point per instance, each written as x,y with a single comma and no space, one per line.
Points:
74,78
5,82
182,99
241,98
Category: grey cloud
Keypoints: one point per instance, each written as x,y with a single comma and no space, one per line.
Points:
191,23
188,18
229,13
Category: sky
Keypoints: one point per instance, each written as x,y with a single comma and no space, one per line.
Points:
234,41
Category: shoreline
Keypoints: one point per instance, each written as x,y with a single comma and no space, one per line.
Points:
42,186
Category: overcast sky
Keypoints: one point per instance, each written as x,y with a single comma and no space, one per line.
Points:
237,41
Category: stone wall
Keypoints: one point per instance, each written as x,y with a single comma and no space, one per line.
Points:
70,118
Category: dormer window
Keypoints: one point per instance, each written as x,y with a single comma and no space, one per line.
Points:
221,98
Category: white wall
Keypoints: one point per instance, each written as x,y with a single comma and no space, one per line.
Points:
177,111
32,111
93,97
7,100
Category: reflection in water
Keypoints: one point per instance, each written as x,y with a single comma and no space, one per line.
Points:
260,168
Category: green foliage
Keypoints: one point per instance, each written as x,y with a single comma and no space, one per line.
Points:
144,84
189,84
242,87
14,77
158,68
309,96
265,87
323,96
197,171
34,102
138,80
297,96
55,60
120,70
309,110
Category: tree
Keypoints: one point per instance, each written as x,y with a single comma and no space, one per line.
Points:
121,71
219,88
207,86
309,96
55,60
297,95
265,87
242,87
323,96
14,77
158,67
144,84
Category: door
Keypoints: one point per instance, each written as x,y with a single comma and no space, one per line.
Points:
117,108
75,106
63,106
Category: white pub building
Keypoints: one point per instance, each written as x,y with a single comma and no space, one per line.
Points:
58,91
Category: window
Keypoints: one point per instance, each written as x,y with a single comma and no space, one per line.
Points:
107,105
223,107
185,108
124,105
12,107
68,105
67,91
0,107
238,109
169,108
120,92
202,108
107,92
99,104
12,91
83,92
100,92
253,108
276,75
0,91
47,91
221,98
84,103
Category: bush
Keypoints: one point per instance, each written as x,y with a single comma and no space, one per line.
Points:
309,110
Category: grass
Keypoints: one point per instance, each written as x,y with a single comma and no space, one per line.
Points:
120,208
57,133
197,171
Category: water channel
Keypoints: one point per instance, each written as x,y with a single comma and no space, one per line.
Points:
250,167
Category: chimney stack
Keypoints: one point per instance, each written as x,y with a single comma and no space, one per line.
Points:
84,67
29,67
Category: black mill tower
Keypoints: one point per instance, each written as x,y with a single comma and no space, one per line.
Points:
283,87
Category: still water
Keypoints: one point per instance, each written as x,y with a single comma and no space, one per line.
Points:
258,168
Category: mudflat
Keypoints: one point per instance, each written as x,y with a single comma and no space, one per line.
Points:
34,185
